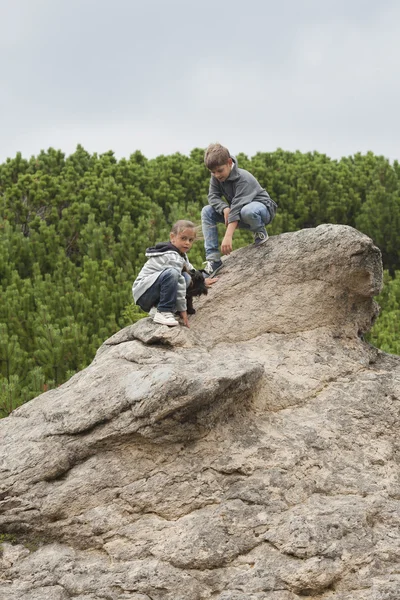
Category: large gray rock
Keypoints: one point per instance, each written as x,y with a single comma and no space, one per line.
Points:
253,456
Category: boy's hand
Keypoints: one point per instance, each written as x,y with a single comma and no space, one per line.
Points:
184,317
226,246
226,215
210,280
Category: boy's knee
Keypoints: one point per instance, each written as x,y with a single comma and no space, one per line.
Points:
248,211
251,212
171,274
207,211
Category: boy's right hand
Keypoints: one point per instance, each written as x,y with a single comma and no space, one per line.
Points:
226,215
210,280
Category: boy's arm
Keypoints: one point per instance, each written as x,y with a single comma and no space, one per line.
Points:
188,266
244,194
215,196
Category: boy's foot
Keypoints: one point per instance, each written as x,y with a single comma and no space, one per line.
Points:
260,237
153,311
212,267
165,318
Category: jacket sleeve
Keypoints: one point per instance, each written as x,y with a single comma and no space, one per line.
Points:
188,266
181,305
243,196
215,196
181,290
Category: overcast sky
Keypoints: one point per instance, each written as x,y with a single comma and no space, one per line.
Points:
163,76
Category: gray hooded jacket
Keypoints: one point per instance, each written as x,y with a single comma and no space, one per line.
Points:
240,188
160,257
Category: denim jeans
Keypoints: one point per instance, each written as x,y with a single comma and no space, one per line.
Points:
163,292
253,216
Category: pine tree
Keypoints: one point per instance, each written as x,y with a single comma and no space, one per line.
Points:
73,234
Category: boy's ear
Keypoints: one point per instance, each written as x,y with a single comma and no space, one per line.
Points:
230,162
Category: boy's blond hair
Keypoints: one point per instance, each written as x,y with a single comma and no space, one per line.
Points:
181,225
215,156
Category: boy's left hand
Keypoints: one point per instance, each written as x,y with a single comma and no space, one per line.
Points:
226,246
184,317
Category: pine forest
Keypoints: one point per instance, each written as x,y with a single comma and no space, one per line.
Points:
73,231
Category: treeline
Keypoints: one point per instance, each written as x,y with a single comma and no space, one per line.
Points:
73,231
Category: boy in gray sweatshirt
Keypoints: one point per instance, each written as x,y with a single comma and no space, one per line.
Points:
247,205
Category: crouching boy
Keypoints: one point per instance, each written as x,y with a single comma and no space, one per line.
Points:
160,287
247,206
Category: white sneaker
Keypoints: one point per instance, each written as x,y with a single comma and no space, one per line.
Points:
165,318
152,312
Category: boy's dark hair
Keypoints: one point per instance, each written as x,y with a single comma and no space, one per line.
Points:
216,156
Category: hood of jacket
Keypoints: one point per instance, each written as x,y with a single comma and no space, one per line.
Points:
161,248
234,174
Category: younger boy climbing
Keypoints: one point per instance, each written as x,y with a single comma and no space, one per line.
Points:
160,287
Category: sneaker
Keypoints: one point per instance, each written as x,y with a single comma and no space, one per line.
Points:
152,312
212,267
260,237
165,318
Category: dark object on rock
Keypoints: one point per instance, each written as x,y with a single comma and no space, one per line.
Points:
197,287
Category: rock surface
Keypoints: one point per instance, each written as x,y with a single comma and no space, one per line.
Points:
253,456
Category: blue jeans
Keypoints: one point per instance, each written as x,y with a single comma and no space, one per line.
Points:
163,292
253,216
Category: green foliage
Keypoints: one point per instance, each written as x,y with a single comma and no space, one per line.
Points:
133,313
385,333
73,231
7,537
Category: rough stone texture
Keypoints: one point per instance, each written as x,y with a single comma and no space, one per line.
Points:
253,456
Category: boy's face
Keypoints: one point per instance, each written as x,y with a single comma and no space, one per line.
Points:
184,239
222,173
